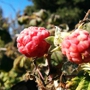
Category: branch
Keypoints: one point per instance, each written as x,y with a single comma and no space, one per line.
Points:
87,16
3,49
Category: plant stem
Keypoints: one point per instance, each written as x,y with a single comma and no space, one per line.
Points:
37,69
87,16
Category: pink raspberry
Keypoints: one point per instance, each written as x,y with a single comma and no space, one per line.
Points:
31,41
76,47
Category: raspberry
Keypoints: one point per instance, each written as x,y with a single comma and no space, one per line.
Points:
31,41
76,46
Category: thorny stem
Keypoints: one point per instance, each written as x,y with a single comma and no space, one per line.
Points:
86,18
54,71
48,60
50,67
40,74
87,15
70,76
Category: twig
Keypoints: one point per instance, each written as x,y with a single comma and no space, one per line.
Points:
3,49
86,18
40,74
87,15
48,60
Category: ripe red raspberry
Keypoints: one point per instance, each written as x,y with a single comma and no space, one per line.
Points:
31,41
76,46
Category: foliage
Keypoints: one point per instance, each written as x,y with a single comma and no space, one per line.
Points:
64,9
53,71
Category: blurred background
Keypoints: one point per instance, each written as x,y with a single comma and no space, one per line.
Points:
15,15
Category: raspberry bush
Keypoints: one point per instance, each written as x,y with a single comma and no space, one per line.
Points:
55,58
31,41
57,54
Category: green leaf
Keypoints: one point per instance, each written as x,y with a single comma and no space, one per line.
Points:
59,36
86,26
85,67
80,85
56,49
57,39
50,39
57,57
88,86
22,62
85,86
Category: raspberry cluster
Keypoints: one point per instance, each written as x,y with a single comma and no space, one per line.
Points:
31,41
76,46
